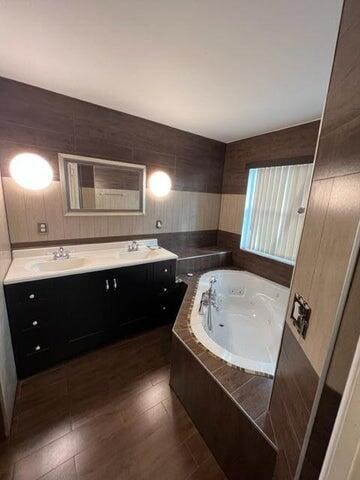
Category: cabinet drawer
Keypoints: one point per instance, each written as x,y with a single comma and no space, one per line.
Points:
28,296
164,272
32,321
33,342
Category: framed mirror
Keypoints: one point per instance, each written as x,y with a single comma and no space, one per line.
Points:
93,186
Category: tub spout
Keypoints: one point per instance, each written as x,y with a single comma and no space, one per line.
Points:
204,302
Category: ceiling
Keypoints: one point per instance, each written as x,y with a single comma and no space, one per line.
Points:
225,69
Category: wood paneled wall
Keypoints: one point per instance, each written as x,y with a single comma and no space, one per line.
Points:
283,147
36,120
331,221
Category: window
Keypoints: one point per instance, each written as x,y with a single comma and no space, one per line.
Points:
273,218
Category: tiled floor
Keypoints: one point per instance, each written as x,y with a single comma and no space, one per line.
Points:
107,415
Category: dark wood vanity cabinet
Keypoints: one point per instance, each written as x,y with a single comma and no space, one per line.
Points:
55,319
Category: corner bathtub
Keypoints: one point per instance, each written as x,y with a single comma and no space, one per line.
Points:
246,329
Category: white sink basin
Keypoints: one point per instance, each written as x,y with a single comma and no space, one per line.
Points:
142,254
60,265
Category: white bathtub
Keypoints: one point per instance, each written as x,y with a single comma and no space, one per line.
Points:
246,330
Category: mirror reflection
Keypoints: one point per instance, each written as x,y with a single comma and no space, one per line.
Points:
102,186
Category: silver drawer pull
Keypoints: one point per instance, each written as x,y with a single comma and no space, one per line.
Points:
165,270
37,348
107,286
164,289
32,296
34,323
115,283
163,308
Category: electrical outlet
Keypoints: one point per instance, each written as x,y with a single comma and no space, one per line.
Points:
158,224
42,227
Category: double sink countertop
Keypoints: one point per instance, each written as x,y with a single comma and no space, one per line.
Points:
38,263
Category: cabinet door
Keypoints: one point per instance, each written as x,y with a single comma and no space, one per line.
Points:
130,296
85,315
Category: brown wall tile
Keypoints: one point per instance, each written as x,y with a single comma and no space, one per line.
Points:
235,443
291,145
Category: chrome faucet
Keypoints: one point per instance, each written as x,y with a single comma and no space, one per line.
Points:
133,246
61,254
209,299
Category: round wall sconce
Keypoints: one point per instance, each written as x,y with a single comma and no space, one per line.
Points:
160,183
31,171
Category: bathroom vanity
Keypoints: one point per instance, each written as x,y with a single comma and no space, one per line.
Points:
60,308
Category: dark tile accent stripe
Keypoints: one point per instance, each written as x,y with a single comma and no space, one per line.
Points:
200,238
266,267
291,145
292,397
198,263
339,145
37,120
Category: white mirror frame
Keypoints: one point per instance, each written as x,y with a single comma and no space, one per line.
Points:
63,157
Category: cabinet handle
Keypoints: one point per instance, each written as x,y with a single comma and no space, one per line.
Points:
34,323
165,270
37,348
115,283
164,289
107,286
163,308
32,296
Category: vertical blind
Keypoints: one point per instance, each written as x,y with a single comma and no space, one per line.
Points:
273,221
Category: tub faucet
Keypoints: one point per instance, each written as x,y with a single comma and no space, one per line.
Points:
204,302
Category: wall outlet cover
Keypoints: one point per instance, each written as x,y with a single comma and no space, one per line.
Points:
158,224
42,228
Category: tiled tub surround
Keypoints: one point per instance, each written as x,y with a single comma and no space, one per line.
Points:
36,120
245,326
239,400
38,263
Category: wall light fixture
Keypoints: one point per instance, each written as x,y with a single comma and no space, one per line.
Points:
31,171
160,183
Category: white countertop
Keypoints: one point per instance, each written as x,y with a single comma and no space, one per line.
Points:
38,263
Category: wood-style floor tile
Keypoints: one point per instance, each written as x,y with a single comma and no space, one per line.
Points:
109,414
65,471
140,402
198,448
208,470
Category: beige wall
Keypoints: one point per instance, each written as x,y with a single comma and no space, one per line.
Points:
232,212
330,225
179,211
7,366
